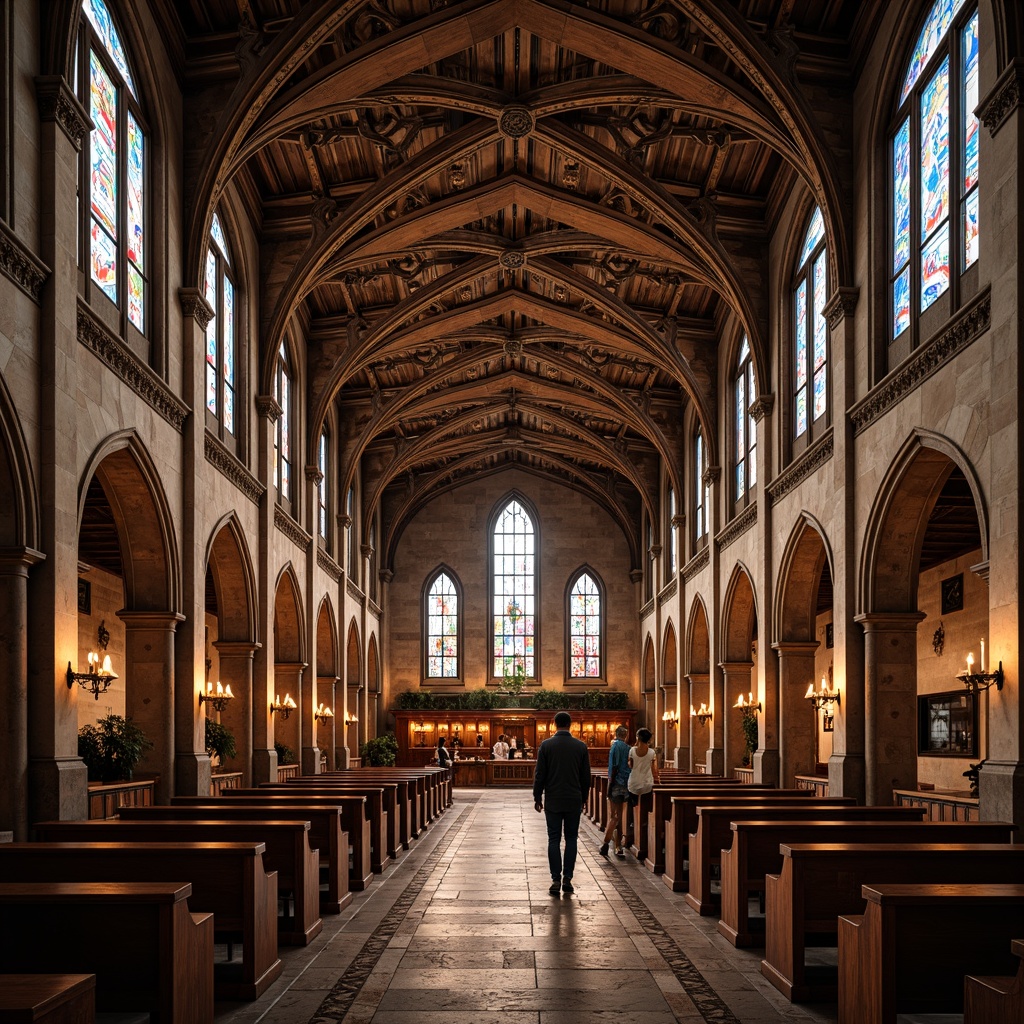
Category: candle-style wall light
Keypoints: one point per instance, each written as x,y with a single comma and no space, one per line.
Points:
980,680
283,707
747,703
703,715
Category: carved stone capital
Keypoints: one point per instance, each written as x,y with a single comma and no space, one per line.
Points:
995,109
679,520
843,304
313,475
711,475
58,102
195,307
636,575
21,265
345,521
366,550
761,406
654,551
268,407
386,575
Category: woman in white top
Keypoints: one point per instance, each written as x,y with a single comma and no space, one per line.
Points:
500,749
643,763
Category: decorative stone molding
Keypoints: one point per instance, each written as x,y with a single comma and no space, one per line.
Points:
353,591
668,591
328,564
697,563
995,109
386,575
21,265
761,407
344,520
647,609
220,458
313,475
636,576
843,304
679,520
512,259
366,550
809,462
969,323
267,406
711,475
116,356
981,570
291,529
58,102
195,307
738,526
654,551
515,121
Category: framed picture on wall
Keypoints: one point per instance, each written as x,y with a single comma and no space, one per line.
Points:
953,594
947,725
85,597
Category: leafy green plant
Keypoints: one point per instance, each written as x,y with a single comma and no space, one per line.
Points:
605,700
220,741
112,749
381,751
749,726
550,700
285,755
415,700
480,700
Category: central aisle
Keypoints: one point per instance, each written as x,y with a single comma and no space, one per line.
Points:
463,931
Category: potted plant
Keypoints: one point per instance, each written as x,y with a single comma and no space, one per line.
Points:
112,748
285,755
749,726
220,743
380,752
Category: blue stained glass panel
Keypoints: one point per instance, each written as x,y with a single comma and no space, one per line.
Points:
229,333
103,24
820,397
901,303
935,267
229,411
136,298
970,102
211,388
971,236
741,414
103,255
217,233
286,436
901,197
801,411
442,627
935,151
815,233
801,334
103,175
585,627
935,27
136,194
211,333
820,324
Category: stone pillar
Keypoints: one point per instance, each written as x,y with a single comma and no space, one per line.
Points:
325,694
57,776
345,754
738,682
890,703
14,569
310,756
796,718
766,757
291,730
236,671
149,690
699,735
714,759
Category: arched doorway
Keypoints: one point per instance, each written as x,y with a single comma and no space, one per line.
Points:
669,685
373,689
354,682
739,647
289,663
698,661
327,671
648,683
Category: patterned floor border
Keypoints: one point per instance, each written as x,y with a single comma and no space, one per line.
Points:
339,1000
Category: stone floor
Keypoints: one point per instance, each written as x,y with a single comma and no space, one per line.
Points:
462,931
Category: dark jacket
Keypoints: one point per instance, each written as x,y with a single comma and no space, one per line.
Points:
562,775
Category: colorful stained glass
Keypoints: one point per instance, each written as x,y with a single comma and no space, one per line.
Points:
970,51
103,24
801,334
217,233
971,237
741,413
820,395
514,593
901,197
801,412
211,334
936,25
136,194
229,333
935,267
901,303
935,151
820,324
585,628
698,488
136,298
103,176
815,233
104,261
321,487
229,410
443,628
751,431
672,562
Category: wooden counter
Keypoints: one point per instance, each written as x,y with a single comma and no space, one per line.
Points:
494,773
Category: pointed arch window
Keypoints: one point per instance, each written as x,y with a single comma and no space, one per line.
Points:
514,584
443,610
810,336
649,556
220,336
744,429
350,513
671,563
586,627
283,430
322,487
935,172
702,492
113,193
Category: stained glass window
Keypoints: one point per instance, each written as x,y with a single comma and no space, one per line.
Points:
672,562
584,629
745,429
701,491
810,331
114,165
321,487
935,127
350,512
514,605
220,334
442,628
282,433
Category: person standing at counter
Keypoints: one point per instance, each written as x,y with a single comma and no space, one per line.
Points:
500,749
444,759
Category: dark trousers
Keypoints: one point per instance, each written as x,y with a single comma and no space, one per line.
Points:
557,822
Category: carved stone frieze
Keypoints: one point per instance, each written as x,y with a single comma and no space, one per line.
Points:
809,462
696,564
195,307
328,564
18,263
291,529
647,609
841,305
738,526
668,591
220,458
971,322
119,359
58,102
353,590
268,408
1005,97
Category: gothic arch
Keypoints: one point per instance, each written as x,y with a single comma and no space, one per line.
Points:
229,561
739,616
19,516
669,657
289,630
807,551
698,643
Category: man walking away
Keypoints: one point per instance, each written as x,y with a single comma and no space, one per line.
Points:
561,782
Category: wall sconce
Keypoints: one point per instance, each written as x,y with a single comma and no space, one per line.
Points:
350,719
217,699
825,700
670,719
703,716
980,680
322,714
747,703
97,679
286,708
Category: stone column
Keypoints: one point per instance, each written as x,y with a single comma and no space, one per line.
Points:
310,756
345,754
288,682
15,564
57,776
738,683
890,702
325,694
714,759
796,720
236,671
699,736
149,690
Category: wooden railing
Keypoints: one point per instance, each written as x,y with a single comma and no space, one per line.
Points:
223,781
745,775
942,805
287,771
106,800
814,782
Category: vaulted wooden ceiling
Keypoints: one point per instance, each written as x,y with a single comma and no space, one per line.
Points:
516,232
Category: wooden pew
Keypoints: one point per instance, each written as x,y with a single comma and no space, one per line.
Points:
996,999
228,880
755,852
819,882
47,998
147,950
714,833
355,820
287,852
910,949
680,818
325,835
